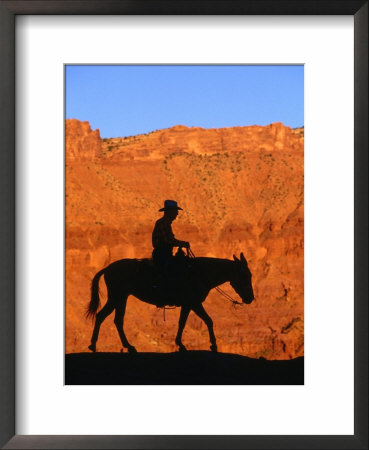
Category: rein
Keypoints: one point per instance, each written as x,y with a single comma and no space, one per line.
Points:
234,302
228,297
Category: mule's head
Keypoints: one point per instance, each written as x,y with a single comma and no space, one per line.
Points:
241,280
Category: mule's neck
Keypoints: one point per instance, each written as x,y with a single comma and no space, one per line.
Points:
221,271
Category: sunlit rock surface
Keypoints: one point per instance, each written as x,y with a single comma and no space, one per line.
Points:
241,190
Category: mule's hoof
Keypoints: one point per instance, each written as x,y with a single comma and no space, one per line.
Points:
182,348
92,347
214,348
131,349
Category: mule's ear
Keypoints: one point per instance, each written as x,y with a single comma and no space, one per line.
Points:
235,258
242,258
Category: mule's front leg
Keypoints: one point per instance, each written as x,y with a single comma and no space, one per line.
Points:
182,322
200,311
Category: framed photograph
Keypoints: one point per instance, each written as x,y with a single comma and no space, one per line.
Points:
189,133
246,120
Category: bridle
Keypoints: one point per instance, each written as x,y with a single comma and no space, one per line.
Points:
234,302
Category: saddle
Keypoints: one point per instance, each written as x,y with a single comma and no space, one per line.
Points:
168,283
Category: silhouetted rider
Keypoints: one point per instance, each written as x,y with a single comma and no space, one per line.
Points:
163,239
169,270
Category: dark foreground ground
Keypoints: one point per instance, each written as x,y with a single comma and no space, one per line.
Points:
192,367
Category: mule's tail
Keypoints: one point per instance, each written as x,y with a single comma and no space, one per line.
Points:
95,298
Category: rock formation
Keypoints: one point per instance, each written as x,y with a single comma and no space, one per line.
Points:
81,143
241,189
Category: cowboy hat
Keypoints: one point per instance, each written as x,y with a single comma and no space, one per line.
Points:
169,204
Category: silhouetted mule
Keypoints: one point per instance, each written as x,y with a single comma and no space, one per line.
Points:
135,277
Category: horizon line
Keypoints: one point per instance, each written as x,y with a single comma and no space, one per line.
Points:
184,126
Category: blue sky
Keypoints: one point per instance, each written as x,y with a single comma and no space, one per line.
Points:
128,100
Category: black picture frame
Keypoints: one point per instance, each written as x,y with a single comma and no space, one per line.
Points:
8,12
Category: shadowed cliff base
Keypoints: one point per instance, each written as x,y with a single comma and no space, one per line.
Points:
187,368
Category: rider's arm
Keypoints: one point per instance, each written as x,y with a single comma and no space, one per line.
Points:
170,239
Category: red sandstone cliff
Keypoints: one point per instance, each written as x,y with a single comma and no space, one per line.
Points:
81,143
241,189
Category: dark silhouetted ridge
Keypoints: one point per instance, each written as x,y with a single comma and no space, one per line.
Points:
180,368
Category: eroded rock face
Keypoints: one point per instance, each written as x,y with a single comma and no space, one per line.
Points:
241,189
82,144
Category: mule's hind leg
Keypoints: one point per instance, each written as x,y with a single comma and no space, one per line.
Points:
100,317
182,322
120,310
200,311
